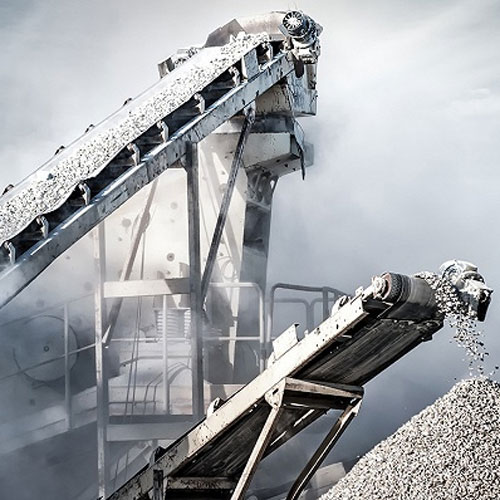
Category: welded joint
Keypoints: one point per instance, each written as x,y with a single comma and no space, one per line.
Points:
354,409
274,397
265,53
249,113
235,76
200,103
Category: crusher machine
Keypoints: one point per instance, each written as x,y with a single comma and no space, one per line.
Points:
134,330
223,116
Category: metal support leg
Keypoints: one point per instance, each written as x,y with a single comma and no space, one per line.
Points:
166,395
157,484
195,278
67,371
257,452
324,448
101,379
226,200
326,305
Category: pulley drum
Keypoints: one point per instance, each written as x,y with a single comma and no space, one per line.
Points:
42,339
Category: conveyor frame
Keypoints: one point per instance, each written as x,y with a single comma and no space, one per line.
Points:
257,78
362,337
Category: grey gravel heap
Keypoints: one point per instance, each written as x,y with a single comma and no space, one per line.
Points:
451,450
51,185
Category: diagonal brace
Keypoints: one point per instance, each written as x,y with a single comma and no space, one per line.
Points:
226,199
259,448
324,448
129,262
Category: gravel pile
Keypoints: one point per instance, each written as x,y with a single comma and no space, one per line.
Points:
451,450
50,186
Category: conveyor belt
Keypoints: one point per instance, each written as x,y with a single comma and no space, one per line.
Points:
84,183
362,338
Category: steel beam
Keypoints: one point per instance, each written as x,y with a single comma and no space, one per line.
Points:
100,368
146,288
165,383
67,371
196,303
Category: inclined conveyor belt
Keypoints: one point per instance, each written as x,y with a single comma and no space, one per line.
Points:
85,182
325,370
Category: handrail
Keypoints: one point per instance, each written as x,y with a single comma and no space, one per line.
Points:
325,290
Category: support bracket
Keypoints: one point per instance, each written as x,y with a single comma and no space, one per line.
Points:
290,394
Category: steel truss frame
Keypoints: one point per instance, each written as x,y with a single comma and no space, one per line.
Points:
197,288
290,393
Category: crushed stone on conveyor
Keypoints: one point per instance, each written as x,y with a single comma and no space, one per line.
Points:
51,185
461,319
451,450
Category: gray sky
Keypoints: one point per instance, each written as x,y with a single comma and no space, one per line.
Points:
406,138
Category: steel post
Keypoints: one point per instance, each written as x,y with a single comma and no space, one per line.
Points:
67,371
166,389
196,303
101,379
158,484
326,308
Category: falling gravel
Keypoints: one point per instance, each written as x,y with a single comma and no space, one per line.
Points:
451,450
461,318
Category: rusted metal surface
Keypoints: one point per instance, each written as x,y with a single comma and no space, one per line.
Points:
200,483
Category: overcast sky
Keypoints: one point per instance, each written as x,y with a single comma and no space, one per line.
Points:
407,144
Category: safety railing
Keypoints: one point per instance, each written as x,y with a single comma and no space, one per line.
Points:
328,296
